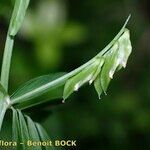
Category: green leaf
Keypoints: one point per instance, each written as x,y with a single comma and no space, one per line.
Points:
33,130
74,83
50,97
16,133
23,130
31,90
54,95
33,133
43,136
18,16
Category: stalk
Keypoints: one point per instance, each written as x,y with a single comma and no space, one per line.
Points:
7,61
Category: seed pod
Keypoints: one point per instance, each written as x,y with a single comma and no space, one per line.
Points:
74,83
97,72
103,67
108,68
125,48
98,87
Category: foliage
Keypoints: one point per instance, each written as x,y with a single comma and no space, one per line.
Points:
99,70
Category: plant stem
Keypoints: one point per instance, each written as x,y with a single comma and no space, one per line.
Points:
15,24
7,61
3,108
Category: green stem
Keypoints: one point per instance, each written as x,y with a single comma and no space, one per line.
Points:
115,38
7,61
15,24
3,108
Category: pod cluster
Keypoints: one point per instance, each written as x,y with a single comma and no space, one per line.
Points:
101,71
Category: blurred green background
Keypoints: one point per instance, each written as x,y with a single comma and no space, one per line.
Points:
60,35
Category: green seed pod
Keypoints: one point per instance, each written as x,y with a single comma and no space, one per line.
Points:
74,83
125,48
98,70
108,68
98,87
